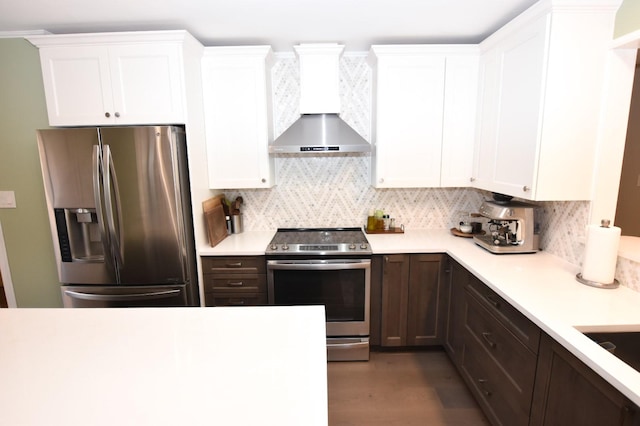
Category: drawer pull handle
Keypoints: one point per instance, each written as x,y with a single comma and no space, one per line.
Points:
485,391
236,302
487,338
492,299
235,284
234,265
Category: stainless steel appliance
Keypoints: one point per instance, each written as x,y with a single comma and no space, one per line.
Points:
119,208
513,227
330,267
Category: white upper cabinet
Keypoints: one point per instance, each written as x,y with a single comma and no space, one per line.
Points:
423,115
541,83
114,78
237,99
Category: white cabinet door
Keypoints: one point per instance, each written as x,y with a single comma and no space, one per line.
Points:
77,85
458,126
542,80
90,80
424,120
513,77
147,83
236,82
408,122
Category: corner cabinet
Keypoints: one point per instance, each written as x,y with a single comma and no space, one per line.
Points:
237,98
423,115
114,78
413,300
541,84
570,393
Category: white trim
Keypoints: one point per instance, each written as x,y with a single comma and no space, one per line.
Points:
6,273
22,34
628,41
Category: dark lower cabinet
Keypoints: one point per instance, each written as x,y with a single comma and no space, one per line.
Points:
568,392
413,300
518,374
497,362
454,334
234,280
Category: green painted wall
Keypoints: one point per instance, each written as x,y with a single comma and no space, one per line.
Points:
627,18
26,228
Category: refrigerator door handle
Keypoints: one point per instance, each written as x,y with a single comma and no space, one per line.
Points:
116,236
97,194
123,297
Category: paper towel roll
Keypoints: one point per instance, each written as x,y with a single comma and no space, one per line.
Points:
601,254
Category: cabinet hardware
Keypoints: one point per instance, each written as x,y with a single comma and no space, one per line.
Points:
487,338
117,114
236,284
234,265
263,180
106,114
381,180
484,390
525,188
236,302
491,299
472,179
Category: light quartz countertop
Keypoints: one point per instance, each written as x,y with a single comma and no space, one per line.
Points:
160,366
542,286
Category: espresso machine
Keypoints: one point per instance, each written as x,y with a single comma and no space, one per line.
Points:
512,227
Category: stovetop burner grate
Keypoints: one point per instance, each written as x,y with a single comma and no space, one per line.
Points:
321,241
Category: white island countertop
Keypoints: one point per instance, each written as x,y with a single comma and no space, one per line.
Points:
540,285
161,366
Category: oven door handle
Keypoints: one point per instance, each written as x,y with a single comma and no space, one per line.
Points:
319,265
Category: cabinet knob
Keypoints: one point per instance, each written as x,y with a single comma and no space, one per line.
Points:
525,188
263,180
381,180
472,179
106,114
117,114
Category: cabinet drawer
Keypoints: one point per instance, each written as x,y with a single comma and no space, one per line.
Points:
235,299
236,283
234,264
499,397
499,344
518,324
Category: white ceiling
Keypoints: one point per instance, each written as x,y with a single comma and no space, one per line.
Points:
280,23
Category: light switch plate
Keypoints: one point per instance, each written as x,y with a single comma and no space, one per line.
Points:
7,200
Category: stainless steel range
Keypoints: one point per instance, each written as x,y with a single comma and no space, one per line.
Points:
330,267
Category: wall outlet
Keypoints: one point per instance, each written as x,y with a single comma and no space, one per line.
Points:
7,200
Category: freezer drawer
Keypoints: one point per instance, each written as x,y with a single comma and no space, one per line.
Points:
79,296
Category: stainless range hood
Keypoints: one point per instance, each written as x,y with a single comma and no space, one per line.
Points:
319,128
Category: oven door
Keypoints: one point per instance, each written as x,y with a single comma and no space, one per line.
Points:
343,286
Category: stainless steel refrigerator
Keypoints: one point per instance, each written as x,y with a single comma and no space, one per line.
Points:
120,213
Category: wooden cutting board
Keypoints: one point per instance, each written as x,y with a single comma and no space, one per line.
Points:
215,219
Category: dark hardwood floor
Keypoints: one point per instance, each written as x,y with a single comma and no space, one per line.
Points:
400,388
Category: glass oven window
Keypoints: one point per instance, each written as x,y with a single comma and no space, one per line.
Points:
342,292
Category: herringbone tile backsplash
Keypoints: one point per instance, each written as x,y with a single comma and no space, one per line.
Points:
334,190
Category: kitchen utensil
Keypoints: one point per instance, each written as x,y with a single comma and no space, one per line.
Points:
215,219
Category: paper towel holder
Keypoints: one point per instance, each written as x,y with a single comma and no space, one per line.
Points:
613,284
605,224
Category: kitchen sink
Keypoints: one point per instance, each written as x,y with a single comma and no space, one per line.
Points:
624,345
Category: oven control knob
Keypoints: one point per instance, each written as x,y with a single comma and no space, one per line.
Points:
285,246
274,247
364,246
352,246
